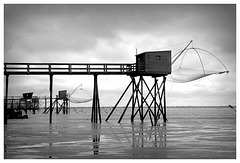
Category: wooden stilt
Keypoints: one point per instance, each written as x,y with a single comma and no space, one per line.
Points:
51,89
164,100
142,99
57,104
96,104
118,101
45,103
133,100
119,121
69,106
155,100
6,100
66,106
155,106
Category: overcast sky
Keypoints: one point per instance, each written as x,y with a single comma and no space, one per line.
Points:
110,34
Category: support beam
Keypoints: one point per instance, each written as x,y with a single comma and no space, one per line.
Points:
119,100
98,106
119,121
45,103
6,100
96,113
57,104
133,100
154,99
142,99
164,100
51,89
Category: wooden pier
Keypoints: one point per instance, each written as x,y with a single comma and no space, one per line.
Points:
68,69
155,64
52,69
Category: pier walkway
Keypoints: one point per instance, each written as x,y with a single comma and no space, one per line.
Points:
52,69
68,68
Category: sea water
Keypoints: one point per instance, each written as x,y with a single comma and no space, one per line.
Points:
191,132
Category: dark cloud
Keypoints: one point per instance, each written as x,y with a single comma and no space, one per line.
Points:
59,28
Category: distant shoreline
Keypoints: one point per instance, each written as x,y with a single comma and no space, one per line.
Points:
167,107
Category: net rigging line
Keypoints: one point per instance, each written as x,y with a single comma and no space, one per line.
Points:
220,94
184,74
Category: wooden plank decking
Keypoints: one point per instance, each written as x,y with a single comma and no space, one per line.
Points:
68,68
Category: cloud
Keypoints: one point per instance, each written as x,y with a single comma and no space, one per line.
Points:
64,28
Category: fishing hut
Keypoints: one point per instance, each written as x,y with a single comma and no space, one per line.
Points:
61,103
148,100
64,102
16,104
154,63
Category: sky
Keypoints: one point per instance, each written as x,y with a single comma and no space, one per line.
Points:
111,34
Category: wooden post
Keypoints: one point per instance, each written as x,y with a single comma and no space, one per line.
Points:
141,115
45,99
164,100
155,100
6,100
95,105
12,104
66,106
98,106
133,100
69,106
34,105
119,121
57,104
51,89
119,100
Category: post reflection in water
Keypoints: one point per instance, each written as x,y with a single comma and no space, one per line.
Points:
96,137
154,137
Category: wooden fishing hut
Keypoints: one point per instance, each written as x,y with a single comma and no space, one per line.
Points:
61,103
155,64
62,95
17,104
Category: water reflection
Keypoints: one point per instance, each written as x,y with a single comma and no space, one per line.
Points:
71,137
96,127
154,136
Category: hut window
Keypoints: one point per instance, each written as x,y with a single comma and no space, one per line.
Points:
158,57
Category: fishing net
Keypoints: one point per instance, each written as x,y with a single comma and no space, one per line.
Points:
194,63
80,96
78,100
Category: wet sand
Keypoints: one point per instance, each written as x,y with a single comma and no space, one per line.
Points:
206,133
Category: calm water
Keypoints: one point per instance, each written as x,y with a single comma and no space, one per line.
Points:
189,133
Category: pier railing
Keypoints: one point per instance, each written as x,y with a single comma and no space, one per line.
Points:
67,68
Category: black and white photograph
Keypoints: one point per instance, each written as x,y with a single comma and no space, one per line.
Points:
119,81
